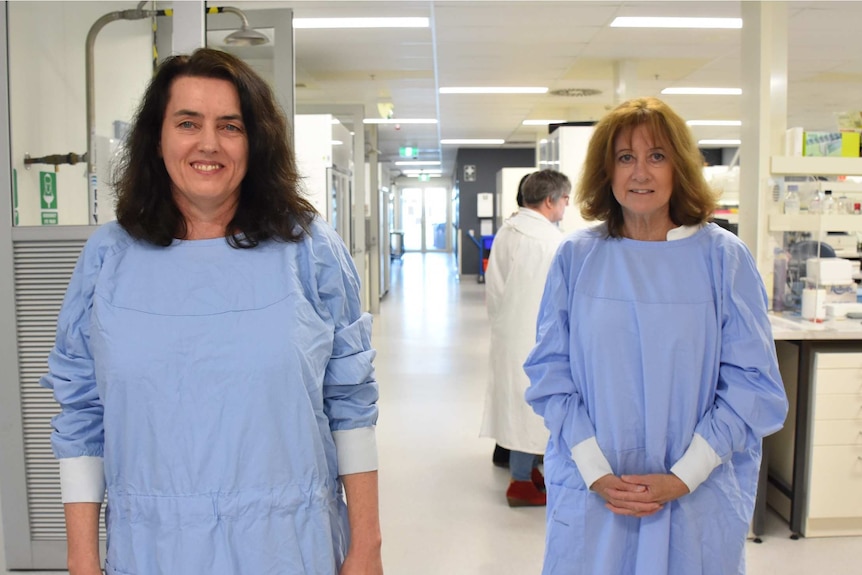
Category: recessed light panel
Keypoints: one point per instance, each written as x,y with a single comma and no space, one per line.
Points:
703,91
654,22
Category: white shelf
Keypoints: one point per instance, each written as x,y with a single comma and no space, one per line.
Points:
815,165
815,223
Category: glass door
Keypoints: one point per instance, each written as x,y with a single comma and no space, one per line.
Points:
425,219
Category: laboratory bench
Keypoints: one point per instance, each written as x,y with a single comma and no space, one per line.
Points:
812,469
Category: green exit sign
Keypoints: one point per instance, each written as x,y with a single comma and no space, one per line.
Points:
424,177
407,151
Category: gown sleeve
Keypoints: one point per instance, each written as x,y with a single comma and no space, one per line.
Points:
553,393
750,401
77,438
349,386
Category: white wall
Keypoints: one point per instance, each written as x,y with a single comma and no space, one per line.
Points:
572,146
507,191
313,137
48,98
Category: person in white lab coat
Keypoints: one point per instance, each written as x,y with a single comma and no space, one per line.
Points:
514,281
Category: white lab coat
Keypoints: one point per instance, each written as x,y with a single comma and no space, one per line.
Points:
514,281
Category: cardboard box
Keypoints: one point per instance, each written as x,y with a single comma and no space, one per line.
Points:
833,144
841,293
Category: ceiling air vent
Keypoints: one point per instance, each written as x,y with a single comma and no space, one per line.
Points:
575,92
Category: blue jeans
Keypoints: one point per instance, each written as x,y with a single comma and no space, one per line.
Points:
521,465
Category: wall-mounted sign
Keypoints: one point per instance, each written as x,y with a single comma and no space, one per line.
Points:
48,197
48,190
15,193
469,172
485,205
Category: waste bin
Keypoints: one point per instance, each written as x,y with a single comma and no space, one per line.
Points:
440,236
396,244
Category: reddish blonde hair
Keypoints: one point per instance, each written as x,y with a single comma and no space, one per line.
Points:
692,201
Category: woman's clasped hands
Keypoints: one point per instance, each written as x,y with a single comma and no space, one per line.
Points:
639,495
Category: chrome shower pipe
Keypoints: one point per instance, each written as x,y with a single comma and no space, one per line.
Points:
89,70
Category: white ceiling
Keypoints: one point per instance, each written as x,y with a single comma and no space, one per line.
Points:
561,45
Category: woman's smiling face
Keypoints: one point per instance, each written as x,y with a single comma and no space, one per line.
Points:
204,143
642,182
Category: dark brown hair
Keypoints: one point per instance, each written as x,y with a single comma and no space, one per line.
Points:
270,203
692,201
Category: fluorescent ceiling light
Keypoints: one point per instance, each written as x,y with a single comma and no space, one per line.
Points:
714,122
418,163
473,142
542,122
430,172
719,142
336,142
654,22
704,91
321,23
399,121
494,90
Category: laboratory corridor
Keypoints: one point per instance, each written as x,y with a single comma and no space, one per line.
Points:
443,508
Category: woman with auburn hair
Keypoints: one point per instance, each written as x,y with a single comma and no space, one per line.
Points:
212,362
654,366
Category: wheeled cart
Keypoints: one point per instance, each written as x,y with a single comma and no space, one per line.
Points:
484,244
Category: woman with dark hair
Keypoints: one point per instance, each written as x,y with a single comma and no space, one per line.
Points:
212,361
654,366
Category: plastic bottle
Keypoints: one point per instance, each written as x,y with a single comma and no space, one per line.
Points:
779,279
843,205
828,205
791,200
815,203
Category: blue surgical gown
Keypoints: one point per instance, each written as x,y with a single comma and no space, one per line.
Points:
211,380
641,345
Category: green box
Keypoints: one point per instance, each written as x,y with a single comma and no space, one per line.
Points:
831,144
49,218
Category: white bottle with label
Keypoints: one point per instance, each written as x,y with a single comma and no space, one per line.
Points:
815,203
791,200
843,205
828,205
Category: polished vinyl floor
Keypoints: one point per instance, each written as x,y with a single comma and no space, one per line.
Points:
443,509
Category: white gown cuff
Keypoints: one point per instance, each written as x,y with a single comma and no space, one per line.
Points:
592,463
82,479
356,449
696,463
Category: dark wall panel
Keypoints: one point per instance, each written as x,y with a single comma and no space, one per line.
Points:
487,163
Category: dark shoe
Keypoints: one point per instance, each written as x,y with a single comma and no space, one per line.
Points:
501,456
538,479
525,494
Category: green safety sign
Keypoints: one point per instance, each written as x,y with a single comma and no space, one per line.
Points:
48,191
49,218
15,193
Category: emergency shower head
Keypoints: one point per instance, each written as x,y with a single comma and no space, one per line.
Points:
246,35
